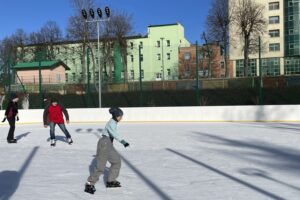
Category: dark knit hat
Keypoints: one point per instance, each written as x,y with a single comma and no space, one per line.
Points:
13,96
54,100
116,112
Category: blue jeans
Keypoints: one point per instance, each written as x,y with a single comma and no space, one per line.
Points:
61,126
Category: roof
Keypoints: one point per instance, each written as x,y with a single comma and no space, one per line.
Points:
67,42
159,25
44,65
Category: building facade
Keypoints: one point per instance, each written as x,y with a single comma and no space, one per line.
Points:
159,56
210,65
280,44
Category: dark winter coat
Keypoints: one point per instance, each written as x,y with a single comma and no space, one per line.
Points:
55,114
11,110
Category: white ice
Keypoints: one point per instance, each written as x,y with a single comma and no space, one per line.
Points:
169,161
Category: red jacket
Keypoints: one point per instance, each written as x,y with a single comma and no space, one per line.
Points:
55,114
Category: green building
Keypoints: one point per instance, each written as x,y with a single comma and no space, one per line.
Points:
159,56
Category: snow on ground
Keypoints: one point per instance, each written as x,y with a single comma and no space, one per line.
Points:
169,161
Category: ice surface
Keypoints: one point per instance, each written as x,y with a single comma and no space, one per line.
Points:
178,161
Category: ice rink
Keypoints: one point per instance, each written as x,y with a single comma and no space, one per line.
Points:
169,161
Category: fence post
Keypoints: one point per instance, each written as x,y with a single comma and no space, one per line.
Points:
197,77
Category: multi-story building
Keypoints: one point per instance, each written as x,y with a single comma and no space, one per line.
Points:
211,65
281,43
159,56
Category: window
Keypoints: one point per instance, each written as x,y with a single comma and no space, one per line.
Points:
158,56
74,61
158,43
73,77
169,72
291,32
142,57
58,78
251,69
132,74
142,72
274,47
158,75
132,58
274,33
67,77
291,46
274,20
131,45
168,56
141,44
187,56
222,64
271,66
274,6
168,43
291,18
292,66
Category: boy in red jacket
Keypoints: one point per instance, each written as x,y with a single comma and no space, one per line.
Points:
53,114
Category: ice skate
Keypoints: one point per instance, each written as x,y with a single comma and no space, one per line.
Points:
69,140
13,141
89,188
53,143
113,184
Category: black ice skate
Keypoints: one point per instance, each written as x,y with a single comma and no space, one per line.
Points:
69,140
90,188
113,184
53,143
13,141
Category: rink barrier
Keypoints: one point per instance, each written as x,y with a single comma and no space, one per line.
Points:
281,113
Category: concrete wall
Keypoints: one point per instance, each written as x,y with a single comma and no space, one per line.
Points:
178,114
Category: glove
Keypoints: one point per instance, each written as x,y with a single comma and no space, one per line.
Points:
126,144
4,119
18,118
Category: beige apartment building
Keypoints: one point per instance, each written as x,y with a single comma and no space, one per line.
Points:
280,43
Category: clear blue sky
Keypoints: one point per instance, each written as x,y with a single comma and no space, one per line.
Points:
32,14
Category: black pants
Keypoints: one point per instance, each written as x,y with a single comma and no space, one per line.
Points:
12,126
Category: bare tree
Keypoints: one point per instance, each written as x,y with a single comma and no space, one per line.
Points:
119,27
20,40
50,34
209,53
79,30
219,19
43,41
250,22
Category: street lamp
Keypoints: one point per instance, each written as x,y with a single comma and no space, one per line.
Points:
97,20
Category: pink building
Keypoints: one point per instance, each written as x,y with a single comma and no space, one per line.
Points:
53,72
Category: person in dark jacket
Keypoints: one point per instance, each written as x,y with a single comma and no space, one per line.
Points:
11,114
53,115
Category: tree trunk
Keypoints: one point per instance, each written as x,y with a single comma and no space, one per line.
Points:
246,56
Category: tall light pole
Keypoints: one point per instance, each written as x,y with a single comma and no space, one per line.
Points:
100,19
162,60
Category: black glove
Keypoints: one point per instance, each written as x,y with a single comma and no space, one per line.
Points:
126,144
4,119
18,118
